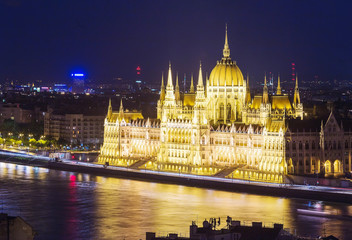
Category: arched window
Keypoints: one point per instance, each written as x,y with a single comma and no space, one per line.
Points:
307,146
293,145
221,115
300,145
228,108
313,145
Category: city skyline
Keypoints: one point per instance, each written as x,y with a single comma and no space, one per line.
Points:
126,119
49,41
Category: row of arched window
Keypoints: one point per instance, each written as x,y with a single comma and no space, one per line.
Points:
328,145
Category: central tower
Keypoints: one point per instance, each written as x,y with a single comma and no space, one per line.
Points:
226,90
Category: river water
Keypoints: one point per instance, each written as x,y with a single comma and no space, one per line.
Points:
66,205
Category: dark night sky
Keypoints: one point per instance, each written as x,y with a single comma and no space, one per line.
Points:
49,39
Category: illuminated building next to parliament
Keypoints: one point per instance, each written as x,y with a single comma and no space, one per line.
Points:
217,125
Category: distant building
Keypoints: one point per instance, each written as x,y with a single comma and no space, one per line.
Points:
234,230
21,113
15,228
78,80
17,112
75,128
319,146
61,88
122,85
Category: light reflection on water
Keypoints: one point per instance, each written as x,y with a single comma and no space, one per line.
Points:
64,205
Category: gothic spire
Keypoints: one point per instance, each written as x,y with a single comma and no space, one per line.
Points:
200,97
200,77
170,95
169,78
278,91
265,92
248,98
296,98
191,90
177,90
206,83
162,89
121,113
109,109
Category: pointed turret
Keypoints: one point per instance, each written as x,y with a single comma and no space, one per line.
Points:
200,87
206,83
296,98
265,92
200,78
278,90
248,98
200,96
162,89
322,140
177,90
169,79
170,95
226,51
121,113
200,103
184,83
191,90
109,109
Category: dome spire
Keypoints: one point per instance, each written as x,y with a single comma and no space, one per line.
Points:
226,51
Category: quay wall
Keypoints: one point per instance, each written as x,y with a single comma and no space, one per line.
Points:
253,188
195,181
315,181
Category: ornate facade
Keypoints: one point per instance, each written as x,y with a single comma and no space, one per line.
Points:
215,129
319,146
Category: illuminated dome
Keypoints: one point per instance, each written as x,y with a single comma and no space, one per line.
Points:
226,72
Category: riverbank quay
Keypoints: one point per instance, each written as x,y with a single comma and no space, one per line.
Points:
319,193
24,158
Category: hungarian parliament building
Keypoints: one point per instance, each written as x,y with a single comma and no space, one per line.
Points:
218,128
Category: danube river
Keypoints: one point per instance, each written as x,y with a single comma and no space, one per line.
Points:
66,205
